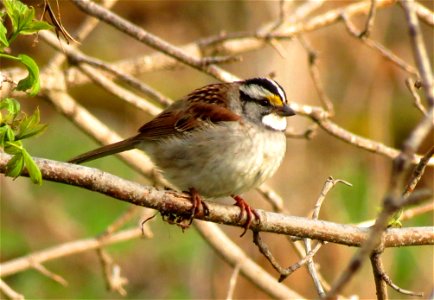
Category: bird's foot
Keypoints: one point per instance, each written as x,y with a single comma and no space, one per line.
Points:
196,200
251,213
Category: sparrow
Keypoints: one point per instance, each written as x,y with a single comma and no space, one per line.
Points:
220,140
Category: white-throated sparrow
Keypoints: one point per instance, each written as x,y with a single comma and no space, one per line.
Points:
220,140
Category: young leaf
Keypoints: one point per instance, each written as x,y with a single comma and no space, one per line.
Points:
15,165
12,106
32,168
30,126
32,80
23,19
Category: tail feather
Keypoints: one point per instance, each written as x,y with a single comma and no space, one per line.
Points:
121,146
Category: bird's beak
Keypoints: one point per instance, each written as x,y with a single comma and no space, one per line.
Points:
285,111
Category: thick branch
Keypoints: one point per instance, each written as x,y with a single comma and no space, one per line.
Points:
169,202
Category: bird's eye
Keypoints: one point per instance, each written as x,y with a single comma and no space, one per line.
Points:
264,102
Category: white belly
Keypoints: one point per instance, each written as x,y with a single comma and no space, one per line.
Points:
219,164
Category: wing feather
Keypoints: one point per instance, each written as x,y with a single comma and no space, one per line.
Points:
202,105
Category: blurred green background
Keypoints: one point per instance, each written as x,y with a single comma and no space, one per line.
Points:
370,99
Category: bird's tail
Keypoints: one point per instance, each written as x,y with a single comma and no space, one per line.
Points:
121,146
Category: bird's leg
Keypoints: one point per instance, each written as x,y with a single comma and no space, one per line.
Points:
196,200
251,213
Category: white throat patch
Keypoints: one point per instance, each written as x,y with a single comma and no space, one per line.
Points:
274,121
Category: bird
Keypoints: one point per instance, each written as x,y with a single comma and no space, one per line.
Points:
220,140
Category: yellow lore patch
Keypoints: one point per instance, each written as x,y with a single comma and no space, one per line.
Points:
275,100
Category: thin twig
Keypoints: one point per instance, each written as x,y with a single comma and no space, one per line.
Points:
85,28
9,292
316,78
418,172
328,185
120,221
112,273
123,25
381,279
321,117
44,271
409,82
416,211
307,134
284,272
119,91
233,282
370,20
419,50
386,53
273,198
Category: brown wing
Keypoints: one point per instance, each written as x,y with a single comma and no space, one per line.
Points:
202,105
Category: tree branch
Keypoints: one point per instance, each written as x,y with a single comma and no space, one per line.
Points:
169,202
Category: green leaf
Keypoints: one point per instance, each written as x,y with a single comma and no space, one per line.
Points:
36,26
30,126
3,32
32,80
15,165
13,147
32,168
3,135
11,105
20,14
23,19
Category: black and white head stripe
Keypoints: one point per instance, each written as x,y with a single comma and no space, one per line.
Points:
258,88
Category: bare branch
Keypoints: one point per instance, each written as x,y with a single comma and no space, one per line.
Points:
171,202
380,285
26,262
